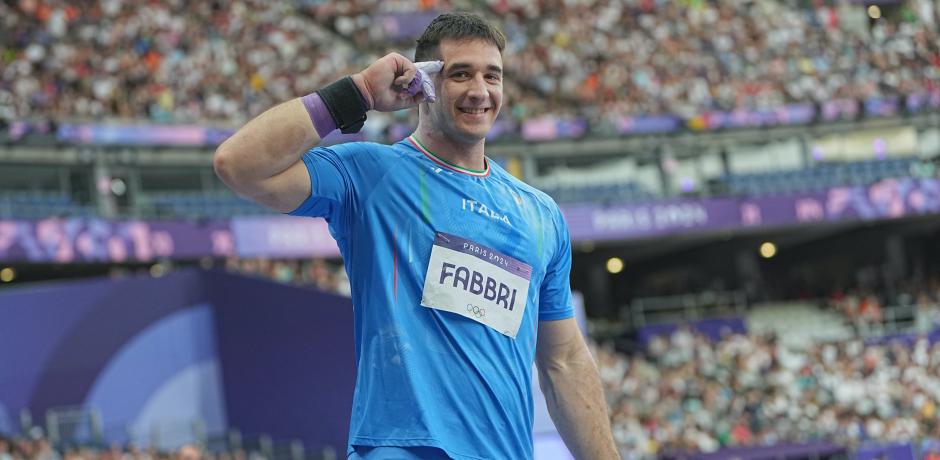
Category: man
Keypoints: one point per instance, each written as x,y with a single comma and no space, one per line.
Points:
459,271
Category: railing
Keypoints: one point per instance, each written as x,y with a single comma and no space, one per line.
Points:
900,319
74,425
71,426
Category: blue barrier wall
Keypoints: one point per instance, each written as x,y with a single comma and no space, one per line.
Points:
159,353
76,343
898,451
288,359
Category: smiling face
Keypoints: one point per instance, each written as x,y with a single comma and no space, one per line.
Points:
469,90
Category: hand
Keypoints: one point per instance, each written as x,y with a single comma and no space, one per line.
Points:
384,83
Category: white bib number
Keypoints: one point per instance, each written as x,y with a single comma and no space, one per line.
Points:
476,282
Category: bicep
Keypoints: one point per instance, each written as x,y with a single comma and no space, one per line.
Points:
283,192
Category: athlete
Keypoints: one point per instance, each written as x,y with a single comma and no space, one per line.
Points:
459,271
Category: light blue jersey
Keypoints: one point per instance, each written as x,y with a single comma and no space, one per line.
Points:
451,270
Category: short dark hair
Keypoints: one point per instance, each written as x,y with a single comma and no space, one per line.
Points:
456,26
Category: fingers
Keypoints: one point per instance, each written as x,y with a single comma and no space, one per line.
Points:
405,70
404,81
397,82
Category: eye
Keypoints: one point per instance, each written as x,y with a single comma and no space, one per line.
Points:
460,74
493,77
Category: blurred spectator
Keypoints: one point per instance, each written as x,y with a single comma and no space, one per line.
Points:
932,454
189,452
44,451
869,313
6,450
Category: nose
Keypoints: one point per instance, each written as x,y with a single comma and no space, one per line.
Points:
477,90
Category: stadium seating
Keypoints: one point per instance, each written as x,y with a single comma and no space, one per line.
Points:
819,177
39,204
196,205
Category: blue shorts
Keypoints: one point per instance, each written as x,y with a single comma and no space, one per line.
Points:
397,453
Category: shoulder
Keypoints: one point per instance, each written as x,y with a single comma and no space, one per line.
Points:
357,155
525,191
366,148
552,219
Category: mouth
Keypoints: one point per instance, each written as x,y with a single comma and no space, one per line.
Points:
474,115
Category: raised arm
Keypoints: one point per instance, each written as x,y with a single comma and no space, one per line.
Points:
262,160
573,392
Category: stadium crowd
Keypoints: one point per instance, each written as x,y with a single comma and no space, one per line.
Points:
186,62
683,57
324,275
689,394
35,446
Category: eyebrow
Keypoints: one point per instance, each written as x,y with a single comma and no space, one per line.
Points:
464,66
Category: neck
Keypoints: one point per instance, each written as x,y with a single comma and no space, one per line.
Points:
468,156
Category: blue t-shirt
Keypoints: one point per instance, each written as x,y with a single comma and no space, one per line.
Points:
426,376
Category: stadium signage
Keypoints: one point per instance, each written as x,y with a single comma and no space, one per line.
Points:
887,199
652,217
96,240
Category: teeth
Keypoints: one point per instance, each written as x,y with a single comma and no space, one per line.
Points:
473,111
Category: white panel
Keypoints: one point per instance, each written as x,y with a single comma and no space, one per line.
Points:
864,145
787,155
611,172
774,156
686,169
647,176
929,142
710,165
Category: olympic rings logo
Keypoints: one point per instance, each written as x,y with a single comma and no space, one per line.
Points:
475,310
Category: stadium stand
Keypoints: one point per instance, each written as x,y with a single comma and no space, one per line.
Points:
592,58
858,368
688,393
